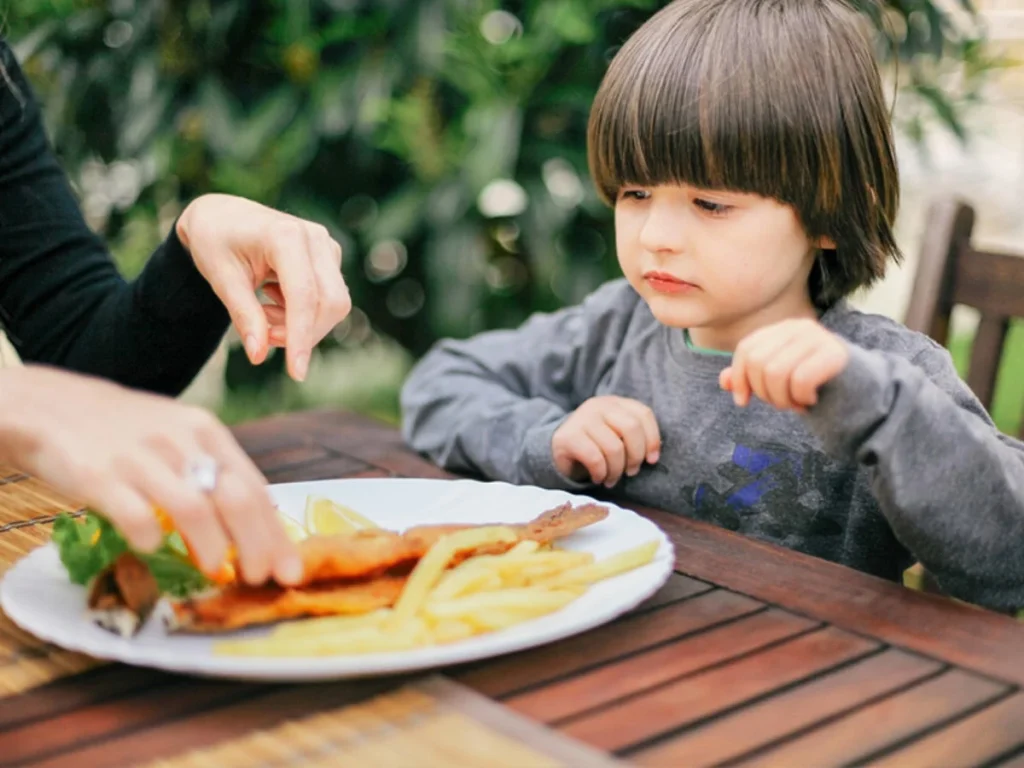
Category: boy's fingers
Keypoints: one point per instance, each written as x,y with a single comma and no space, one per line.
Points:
612,447
779,372
627,425
815,371
587,453
725,379
756,354
738,376
652,433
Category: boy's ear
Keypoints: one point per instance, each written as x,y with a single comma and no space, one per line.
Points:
825,244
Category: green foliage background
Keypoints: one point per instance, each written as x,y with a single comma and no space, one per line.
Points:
441,141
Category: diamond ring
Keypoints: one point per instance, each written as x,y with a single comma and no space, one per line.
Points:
201,472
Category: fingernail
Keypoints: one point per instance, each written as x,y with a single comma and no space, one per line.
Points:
653,456
252,347
291,571
301,366
736,399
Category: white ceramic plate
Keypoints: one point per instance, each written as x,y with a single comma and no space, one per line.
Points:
37,595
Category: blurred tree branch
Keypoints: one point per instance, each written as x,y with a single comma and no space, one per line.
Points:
442,141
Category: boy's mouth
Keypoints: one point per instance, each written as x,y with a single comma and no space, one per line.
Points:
663,282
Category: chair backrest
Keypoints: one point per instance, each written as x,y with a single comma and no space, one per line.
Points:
952,271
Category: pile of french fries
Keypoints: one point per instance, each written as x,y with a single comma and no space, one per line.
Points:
440,604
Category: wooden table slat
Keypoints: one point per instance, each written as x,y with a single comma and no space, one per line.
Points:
101,683
629,723
933,625
590,690
880,726
771,720
180,696
291,456
327,468
205,728
34,671
7,471
678,587
15,543
431,723
262,438
503,676
376,444
27,498
991,733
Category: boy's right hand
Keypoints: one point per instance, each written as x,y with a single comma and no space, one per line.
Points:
604,438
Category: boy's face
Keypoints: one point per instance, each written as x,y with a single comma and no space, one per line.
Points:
721,264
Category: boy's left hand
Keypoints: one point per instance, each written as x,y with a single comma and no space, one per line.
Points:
785,364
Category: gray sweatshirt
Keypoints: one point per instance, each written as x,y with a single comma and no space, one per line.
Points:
898,460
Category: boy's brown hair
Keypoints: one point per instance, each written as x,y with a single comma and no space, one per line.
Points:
780,98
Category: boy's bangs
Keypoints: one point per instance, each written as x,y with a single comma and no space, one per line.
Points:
716,106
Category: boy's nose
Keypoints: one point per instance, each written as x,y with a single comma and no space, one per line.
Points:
663,230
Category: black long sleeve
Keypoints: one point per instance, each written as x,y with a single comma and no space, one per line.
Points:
62,300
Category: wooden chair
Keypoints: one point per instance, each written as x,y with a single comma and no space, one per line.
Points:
952,271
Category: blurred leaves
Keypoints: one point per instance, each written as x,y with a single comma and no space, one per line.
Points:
441,141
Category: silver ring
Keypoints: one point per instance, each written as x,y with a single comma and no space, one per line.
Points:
201,472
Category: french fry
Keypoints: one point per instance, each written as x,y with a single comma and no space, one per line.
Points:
394,636
429,569
486,572
603,569
450,631
521,573
526,600
466,581
494,619
490,619
326,625
437,606
522,549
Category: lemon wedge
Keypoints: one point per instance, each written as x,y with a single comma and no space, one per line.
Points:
294,530
328,518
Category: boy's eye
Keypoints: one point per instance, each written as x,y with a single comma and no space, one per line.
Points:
634,194
710,207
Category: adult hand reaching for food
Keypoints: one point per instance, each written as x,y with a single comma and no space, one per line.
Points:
127,454
240,246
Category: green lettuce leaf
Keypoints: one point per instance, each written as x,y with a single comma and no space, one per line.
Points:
90,543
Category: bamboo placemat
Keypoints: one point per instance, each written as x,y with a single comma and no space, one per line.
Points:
27,509
434,723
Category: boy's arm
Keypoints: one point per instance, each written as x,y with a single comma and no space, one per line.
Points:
490,404
950,484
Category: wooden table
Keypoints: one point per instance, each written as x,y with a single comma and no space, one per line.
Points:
750,655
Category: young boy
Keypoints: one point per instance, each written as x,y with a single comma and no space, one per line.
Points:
746,149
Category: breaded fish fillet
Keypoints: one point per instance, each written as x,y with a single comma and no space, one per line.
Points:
367,553
241,606
356,573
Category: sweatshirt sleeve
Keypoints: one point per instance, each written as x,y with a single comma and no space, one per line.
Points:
491,404
949,482
62,300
